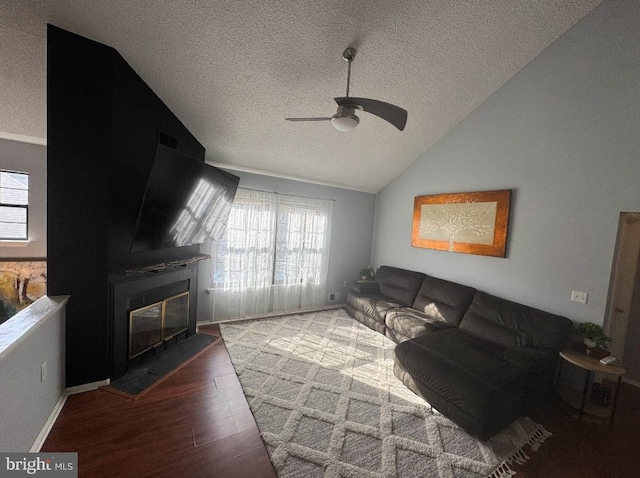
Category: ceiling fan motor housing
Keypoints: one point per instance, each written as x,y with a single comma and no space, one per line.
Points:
345,119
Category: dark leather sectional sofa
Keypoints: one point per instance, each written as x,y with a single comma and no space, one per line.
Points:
480,360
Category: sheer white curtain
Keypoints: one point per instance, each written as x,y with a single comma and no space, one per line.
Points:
302,252
274,256
243,260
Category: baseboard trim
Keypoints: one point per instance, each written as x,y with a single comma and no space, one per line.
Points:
53,416
635,383
273,315
87,387
48,425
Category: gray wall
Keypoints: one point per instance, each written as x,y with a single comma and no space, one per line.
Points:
26,402
32,159
564,134
351,230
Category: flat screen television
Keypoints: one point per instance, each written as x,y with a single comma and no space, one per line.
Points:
186,202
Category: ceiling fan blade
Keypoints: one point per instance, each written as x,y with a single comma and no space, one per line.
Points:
309,119
393,114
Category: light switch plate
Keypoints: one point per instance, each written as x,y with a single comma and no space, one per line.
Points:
580,297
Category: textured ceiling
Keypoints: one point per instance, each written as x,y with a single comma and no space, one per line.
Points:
232,70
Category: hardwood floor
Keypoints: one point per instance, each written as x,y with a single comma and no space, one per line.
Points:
197,423
586,449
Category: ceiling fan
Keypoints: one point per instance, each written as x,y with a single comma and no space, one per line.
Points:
345,119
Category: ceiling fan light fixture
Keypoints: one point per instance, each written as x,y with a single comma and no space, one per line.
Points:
345,123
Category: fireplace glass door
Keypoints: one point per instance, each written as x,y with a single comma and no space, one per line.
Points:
176,313
155,323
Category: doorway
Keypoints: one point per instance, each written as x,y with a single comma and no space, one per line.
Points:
622,322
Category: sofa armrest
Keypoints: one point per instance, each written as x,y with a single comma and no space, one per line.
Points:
529,359
366,288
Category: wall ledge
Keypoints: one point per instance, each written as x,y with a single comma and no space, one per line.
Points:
18,327
5,243
22,138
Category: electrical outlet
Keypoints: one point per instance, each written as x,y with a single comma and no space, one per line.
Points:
43,371
334,296
580,297
345,284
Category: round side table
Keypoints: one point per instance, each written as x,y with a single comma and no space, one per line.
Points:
590,365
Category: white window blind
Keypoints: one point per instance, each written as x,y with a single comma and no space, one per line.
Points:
14,205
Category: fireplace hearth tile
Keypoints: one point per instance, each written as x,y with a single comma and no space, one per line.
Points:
140,378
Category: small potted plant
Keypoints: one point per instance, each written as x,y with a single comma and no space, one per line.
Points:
594,338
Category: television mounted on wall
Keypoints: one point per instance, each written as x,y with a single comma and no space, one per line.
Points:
186,202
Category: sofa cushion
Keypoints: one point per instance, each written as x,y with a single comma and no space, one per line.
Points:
495,332
531,360
461,350
367,287
464,377
443,299
367,320
373,306
406,323
510,324
399,285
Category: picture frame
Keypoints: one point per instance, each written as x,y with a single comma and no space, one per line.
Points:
470,223
22,282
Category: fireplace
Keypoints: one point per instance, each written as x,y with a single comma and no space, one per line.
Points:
152,310
152,325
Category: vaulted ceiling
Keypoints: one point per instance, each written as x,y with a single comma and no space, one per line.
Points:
232,70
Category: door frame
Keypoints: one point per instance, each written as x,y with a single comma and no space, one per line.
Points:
622,283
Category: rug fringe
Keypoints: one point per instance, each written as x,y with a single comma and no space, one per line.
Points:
519,457
539,437
503,471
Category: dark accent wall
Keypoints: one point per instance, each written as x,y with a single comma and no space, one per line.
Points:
103,125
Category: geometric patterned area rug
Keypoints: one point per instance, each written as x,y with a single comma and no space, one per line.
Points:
322,390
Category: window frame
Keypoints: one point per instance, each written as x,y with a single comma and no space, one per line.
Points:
25,207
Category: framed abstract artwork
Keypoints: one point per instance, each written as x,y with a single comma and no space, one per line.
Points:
472,223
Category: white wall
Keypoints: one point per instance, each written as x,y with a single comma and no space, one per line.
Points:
351,230
32,159
23,72
26,402
564,134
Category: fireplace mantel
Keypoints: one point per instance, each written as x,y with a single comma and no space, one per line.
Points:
142,269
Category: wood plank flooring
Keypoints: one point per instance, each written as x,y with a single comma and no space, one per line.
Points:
197,423
587,449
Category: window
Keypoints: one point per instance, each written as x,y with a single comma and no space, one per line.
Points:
14,205
244,256
273,257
